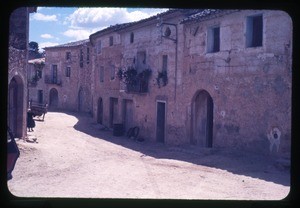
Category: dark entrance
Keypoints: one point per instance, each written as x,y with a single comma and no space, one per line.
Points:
15,106
100,111
113,111
53,98
202,119
127,114
160,121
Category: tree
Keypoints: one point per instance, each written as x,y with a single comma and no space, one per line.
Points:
34,50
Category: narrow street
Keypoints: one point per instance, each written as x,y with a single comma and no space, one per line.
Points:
72,157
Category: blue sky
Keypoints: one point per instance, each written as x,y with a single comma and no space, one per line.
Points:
58,25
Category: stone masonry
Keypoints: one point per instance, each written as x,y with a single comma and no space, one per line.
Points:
219,78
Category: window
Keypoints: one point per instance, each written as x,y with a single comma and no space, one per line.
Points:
101,74
165,63
213,39
254,31
111,40
54,74
141,61
99,47
87,55
131,37
81,58
68,56
112,72
68,71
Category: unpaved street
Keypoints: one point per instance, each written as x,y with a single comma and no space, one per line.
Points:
74,158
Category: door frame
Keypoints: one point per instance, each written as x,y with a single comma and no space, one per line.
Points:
165,121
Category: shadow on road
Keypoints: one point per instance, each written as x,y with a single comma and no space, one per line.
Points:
265,167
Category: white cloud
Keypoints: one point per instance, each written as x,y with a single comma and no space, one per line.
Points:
104,17
78,34
46,36
43,17
47,44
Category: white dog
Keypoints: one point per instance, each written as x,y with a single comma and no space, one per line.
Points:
274,138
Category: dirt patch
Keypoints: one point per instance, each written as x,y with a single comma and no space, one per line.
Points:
72,157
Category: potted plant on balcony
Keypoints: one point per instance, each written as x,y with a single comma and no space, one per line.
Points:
162,78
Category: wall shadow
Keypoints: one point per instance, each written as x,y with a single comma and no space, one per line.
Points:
263,167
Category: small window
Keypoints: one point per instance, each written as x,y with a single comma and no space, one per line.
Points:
165,63
111,41
81,58
68,56
87,55
68,71
254,31
101,74
131,37
99,47
112,72
213,39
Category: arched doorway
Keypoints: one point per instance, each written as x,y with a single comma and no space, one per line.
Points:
80,99
53,98
100,111
202,119
16,106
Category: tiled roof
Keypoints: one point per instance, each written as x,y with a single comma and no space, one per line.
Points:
205,14
71,44
118,27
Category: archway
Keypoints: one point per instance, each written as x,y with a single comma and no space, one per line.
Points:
100,111
53,98
16,106
202,119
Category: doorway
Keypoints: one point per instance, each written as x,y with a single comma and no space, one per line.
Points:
113,111
127,109
16,106
53,98
100,111
202,119
160,121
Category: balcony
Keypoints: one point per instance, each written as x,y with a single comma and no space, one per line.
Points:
134,82
52,80
137,86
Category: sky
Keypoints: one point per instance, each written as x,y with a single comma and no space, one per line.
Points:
51,26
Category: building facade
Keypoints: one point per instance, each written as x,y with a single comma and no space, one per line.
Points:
17,70
217,78
67,76
207,78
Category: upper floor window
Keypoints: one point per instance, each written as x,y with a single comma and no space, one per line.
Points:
68,71
112,72
213,39
131,37
99,47
101,74
111,40
81,58
87,55
68,56
165,62
254,31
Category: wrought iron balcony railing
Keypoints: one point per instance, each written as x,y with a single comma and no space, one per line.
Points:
52,80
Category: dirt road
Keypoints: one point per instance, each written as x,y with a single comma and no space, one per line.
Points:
74,158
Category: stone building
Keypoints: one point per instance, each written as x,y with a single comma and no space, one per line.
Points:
67,76
35,78
17,70
219,78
